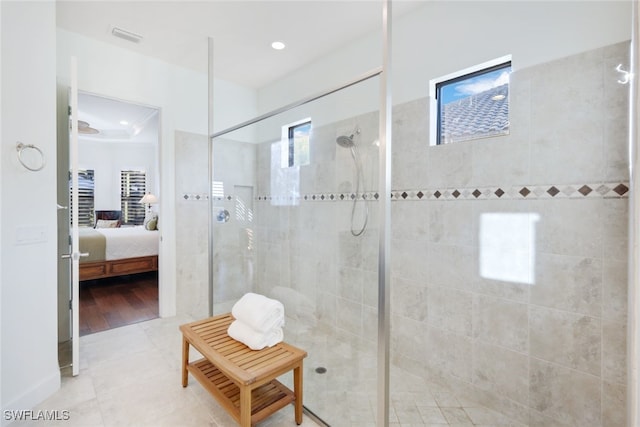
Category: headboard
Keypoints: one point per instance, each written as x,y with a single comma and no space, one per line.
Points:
109,216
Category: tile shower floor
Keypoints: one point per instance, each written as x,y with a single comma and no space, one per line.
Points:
130,376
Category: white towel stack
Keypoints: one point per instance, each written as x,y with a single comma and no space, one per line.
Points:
259,321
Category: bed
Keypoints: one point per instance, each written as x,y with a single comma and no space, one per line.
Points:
117,250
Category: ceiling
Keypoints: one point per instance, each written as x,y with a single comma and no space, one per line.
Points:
177,31
116,121
243,30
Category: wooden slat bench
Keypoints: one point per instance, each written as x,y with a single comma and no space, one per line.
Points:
242,380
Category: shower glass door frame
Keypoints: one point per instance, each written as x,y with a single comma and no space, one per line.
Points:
384,187
633,338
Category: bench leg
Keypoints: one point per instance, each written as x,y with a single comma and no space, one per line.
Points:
297,390
245,407
185,361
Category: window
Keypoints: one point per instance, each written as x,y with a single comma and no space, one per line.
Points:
86,187
132,189
471,104
295,139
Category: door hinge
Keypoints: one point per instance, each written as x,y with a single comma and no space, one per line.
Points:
69,109
70,305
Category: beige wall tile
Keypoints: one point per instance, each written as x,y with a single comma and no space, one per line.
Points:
615,228
451,223
410,220
568,283
614,404
409,338
500,322
614,352
500,160
449,354
571,340
614,291
616,104
501,371
570,227
438,264
450,310
410,126
567,120
565,395
450,165
409,299
409,259
349,316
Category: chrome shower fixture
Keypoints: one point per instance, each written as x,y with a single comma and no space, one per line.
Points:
348,142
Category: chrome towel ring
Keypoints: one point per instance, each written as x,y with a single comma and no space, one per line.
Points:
20,147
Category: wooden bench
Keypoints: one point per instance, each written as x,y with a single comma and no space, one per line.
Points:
242,380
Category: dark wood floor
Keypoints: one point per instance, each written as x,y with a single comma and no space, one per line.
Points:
117,301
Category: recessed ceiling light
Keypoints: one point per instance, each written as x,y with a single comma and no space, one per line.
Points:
124,122
278,45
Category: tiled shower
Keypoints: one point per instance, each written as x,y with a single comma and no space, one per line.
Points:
508,254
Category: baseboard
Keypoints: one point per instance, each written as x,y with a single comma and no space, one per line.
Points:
32,397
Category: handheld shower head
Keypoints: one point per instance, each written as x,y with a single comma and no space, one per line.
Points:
345,141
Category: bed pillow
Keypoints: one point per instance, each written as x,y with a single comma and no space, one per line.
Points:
151,224
107,223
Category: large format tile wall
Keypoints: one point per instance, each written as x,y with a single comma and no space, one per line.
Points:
192,278
306,254
546,347
509,254
233,252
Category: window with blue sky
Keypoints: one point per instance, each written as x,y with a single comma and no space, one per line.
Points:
473,105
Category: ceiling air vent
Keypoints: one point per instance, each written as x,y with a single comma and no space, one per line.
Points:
126,35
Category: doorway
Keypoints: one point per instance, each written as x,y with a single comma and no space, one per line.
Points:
118,194
118,149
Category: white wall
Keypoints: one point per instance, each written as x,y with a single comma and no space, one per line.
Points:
532,31
181,95
29,344
107,159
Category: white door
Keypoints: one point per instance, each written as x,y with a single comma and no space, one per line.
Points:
75,246
68,248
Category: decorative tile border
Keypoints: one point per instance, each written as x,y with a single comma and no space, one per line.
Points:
522,192
322,197
198,197
607,190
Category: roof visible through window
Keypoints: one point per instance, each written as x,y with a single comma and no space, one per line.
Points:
474,105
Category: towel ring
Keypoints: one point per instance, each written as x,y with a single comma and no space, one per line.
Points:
20,147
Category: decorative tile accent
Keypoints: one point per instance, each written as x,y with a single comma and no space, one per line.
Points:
553,191
621,189
528,192
196,197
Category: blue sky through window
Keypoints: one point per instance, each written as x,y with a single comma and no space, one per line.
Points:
473,85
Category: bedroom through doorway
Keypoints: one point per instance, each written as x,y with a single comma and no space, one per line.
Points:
118,203
118,195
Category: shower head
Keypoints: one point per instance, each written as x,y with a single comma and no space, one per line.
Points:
345,141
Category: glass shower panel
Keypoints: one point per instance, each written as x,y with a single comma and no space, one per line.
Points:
509,252
296,220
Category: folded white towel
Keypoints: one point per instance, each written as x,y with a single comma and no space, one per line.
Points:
259,312
242,332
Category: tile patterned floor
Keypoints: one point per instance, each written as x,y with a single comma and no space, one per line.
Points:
130,376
